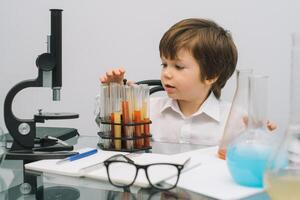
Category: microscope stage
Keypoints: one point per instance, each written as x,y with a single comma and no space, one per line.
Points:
45,116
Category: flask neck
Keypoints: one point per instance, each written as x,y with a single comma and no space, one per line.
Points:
294,117
242,79
257,108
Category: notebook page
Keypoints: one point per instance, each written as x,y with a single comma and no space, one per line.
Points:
70,168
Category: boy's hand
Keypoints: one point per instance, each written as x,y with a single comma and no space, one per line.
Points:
114,75
270,125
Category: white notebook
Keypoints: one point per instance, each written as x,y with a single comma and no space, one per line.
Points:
75,168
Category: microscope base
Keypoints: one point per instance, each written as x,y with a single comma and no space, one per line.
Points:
35,156
61,133
42,132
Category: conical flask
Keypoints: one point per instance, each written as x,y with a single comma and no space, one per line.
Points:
239,110
248,154
282,177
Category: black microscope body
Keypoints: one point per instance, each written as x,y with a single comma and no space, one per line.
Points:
23,131
32,143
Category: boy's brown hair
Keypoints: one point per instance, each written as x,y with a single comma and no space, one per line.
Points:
211,46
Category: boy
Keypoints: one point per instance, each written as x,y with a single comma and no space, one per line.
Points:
198,57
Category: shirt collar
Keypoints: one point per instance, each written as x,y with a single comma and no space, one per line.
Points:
210,107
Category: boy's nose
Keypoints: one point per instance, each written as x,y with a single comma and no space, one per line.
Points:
167,72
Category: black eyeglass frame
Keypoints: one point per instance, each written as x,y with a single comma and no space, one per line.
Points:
138,167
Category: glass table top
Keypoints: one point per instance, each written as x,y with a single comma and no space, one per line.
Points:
50,186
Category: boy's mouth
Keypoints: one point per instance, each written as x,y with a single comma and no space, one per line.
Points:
169,86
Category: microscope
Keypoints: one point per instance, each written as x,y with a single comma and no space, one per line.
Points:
26,145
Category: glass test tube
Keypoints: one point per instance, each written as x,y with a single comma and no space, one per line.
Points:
137,118
105,115
115,92
127,117
145,113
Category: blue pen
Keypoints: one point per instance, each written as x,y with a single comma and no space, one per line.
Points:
78,156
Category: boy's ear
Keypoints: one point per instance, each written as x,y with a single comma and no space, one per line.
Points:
211,81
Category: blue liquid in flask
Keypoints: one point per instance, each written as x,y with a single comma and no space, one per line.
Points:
247,163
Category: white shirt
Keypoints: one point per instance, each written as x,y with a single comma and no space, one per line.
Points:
204,127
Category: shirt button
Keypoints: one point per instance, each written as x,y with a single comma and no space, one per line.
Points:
185,134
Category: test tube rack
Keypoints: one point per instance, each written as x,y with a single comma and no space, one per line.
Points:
107,140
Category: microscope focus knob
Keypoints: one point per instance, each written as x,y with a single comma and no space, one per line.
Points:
45,62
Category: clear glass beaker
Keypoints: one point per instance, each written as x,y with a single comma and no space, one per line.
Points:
282,177
247,155
239,110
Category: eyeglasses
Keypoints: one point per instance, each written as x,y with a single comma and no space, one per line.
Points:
122,172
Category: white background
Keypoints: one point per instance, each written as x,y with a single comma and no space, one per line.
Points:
98,35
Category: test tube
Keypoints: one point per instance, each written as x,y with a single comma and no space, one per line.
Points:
115,92
145,113
137,117
127,116
105,115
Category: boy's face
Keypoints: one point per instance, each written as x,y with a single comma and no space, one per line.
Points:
181,78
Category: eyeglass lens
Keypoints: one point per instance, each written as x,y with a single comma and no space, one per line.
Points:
121,173
155,176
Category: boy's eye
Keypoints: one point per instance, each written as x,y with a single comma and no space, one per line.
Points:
163,65
179,67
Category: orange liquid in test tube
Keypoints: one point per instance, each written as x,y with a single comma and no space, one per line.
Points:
147,132
115,98
146,127
112,127
145,114
125,119
117,130
139,143
142,126
127,107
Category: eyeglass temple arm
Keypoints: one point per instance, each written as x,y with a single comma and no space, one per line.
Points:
187,161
